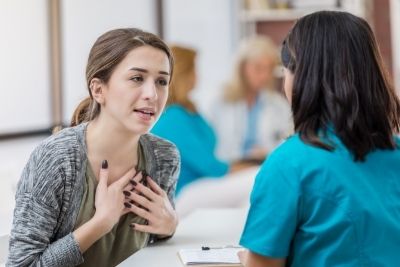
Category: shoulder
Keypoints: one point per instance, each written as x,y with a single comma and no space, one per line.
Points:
176,110
169,118
163,161
58,156
273,98
59,146
223,103
161,148
293,145
295,150
53,164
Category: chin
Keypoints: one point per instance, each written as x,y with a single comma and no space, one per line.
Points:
138,129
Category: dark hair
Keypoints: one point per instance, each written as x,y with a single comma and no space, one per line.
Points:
340,80
107,52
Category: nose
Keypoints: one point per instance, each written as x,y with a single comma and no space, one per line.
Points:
150,90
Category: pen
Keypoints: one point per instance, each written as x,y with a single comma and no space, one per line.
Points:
221,247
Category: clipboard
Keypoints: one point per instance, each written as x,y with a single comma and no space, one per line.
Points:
211,256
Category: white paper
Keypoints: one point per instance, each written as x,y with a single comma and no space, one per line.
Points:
212,256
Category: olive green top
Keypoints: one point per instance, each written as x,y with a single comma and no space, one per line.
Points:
122,241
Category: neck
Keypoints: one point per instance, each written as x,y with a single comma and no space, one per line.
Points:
251,97
115,144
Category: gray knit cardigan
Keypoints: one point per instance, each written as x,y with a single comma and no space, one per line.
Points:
50,191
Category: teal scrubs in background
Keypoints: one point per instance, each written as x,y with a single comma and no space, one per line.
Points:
320,208
196,143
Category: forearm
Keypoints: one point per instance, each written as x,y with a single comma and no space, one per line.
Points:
88,233
31,239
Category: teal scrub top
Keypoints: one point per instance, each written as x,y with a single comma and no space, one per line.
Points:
320,208
196,142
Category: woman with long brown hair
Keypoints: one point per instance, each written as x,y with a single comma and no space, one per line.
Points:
95,193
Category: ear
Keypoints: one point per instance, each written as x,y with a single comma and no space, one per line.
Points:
97,88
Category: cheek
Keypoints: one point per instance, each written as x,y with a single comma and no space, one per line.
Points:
162,98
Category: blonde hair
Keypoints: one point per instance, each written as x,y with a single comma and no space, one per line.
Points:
249,49
181,82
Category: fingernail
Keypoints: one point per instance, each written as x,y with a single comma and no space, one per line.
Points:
127,193
104,164
133,182
128,205
132,226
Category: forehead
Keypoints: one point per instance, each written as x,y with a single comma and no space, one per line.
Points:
145,57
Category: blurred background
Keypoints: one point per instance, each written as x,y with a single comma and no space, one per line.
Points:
45,43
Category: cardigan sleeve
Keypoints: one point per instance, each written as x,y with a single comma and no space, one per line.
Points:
39,204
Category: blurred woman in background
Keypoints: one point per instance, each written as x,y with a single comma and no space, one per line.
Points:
252,117
182,124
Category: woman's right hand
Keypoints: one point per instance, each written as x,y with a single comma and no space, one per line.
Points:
109,199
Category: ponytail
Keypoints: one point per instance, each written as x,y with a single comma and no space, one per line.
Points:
87,110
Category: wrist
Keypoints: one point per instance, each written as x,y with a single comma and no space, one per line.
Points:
90,232
101,224
174,224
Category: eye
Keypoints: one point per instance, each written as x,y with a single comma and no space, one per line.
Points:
162,82
137,79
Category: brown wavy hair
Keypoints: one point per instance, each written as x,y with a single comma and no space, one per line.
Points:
340,82
107,52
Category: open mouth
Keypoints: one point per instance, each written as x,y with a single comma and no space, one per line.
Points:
145,113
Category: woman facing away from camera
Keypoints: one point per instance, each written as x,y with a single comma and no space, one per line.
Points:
252,117
330,194
95,193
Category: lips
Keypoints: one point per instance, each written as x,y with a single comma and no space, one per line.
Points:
146,111
146,114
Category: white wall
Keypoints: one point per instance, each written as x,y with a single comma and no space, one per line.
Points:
395,26
24,66
210,27
83,22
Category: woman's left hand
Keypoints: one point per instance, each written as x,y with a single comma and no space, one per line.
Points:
152,204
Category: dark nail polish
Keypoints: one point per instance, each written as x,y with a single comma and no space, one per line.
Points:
127,193
133,182
104,164
128,205
132,225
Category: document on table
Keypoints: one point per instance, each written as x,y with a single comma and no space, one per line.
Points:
211,257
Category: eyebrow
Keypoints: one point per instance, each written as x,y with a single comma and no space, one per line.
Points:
146,71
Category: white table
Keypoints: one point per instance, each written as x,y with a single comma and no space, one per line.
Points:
216,227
